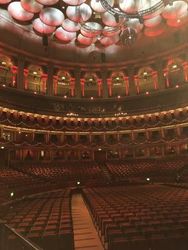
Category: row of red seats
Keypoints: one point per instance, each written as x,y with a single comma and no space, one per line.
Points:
140,217
45,219
155,169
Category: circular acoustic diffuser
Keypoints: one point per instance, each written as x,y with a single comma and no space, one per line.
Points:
135,24
91,29
153,22
178,22
156,5
79,13
64,35
16,11
155,31
31,6
71,26
42,28
48,2
107,41
176,10
109,20
51,16
74,2
97,6
5,1
85,40
110,31
128,6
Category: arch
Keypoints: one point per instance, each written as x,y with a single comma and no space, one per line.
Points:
118,83
146,79
8,71
62,87
175,72
34,79
90,84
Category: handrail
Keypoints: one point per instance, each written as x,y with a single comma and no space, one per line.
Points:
25,241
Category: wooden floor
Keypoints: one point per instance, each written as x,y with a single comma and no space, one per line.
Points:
85,234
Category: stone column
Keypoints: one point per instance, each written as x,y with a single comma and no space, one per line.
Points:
160,73
132,88
49,82
78,91
104,83
20,75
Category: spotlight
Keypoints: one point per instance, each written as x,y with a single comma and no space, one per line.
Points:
12,194
78,183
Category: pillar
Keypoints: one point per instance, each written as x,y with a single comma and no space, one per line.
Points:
160,74
78,92
20,75
49,82
132,88
185,71
104,83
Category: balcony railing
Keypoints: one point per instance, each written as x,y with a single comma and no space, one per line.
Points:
12,240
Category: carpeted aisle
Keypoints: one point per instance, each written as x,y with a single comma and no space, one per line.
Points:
85,234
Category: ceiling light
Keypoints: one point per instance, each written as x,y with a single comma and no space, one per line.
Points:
2,147
34,73
3,63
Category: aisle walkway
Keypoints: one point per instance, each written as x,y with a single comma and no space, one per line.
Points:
85,234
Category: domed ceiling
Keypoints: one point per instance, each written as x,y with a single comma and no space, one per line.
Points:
95,25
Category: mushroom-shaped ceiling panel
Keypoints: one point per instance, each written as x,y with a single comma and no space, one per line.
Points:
144,5
97,6
107,41
91,29
85,40
110,31
71,26
79,13
175,10
153,22
74,2
64,35
31,6
51,16
128,6
42,28
155,31
5,1
16,11
47,2
109,20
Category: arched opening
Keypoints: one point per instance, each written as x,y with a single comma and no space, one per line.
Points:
62,88
7,72
175,73
35,81
90,85
118,84
146,80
